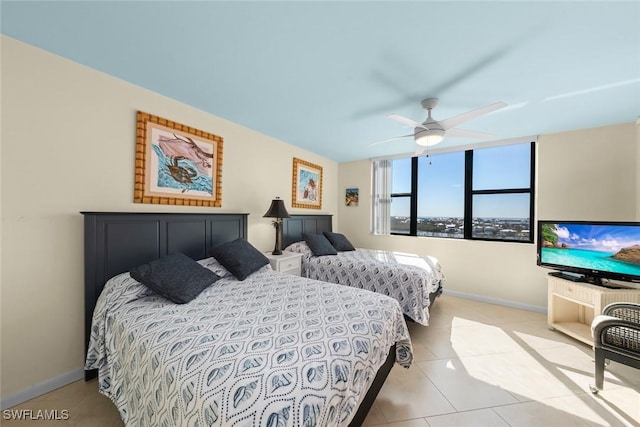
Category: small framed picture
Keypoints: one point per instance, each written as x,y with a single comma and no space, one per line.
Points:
351,197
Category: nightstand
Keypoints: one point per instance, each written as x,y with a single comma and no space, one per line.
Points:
287,262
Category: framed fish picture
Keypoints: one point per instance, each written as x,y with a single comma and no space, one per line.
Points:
176,164
306,185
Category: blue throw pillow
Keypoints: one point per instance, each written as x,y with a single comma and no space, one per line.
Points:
339,241
240,258
176,277
319,244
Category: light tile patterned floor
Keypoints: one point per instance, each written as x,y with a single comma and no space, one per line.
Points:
477,364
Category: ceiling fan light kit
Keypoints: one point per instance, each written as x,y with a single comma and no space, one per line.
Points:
428,137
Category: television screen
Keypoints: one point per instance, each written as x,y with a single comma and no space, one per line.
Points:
594,249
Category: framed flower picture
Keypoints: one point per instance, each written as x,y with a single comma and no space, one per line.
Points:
176,164
306,185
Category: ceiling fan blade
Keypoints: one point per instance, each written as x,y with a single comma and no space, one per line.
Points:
390,139
406,121
388,78
461,133
470,115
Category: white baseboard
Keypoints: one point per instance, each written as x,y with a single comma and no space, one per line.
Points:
40,389
497,301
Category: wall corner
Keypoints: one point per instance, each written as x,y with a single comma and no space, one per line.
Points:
638,169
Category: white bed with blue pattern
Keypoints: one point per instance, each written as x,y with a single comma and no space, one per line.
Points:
413,280
272,350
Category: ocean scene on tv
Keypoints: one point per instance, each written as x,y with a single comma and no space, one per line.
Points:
611,248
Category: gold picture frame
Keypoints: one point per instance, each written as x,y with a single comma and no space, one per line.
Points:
306,185
176,164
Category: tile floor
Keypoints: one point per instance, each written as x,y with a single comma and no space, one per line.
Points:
477,364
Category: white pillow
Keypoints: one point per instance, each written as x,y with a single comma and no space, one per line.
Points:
215,266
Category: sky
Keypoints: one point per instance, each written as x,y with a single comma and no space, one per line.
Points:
441,183
607,238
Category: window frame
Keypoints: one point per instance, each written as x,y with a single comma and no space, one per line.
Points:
413,200
469,192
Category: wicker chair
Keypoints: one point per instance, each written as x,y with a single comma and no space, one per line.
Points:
616,336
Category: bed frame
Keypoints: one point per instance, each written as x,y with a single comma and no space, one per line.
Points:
114,242
294,226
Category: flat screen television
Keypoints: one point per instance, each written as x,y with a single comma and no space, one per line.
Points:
590,251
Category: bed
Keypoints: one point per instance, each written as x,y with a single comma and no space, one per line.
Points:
272,349
414,281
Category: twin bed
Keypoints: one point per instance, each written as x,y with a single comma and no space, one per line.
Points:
269,350
415,281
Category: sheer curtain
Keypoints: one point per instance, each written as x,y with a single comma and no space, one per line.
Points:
381,197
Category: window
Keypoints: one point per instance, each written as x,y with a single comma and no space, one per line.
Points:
441,195
481,194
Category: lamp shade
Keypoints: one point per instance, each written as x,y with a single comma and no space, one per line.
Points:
277,209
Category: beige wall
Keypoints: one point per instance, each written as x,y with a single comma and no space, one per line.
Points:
68,140
587,174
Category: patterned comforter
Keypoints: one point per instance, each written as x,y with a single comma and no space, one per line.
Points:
272,350
409,278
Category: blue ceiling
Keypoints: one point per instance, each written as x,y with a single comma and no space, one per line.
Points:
323,75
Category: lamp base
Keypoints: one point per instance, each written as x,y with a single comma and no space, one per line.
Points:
278,248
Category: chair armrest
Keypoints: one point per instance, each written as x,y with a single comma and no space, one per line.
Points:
602,324
602,321
624,310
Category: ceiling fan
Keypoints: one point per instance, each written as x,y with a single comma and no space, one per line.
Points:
431,131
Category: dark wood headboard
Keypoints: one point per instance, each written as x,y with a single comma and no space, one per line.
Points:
115,242
293,227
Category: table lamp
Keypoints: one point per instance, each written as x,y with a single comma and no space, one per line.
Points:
278,211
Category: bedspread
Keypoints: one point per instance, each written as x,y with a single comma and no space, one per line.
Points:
409,278
272,350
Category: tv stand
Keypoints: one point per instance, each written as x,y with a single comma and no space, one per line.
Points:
573,305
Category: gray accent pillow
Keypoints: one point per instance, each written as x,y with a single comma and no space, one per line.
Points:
339,241
176,277
319,244
239,257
